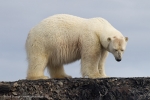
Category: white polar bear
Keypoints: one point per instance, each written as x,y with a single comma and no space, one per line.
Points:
62,39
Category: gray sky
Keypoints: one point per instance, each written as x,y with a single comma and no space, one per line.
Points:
131,17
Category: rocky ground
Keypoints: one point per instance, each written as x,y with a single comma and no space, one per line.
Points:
77,89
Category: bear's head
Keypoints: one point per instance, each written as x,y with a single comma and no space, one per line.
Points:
117,46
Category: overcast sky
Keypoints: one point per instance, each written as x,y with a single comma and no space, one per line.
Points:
131,17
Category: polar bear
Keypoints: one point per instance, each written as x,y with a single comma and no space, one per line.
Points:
62,39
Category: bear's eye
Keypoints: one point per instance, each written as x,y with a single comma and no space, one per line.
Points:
122,50
116,50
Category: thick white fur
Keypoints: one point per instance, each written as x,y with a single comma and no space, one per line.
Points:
62,39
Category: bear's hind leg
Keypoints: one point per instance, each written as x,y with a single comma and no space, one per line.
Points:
36,67
57,71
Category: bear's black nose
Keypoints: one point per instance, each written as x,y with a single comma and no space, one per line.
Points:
118,60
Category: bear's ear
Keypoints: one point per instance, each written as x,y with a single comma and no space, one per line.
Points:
126,38
108,39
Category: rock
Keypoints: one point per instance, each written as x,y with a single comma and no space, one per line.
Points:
79,89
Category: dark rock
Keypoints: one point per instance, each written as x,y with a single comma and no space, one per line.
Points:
4,88
78,89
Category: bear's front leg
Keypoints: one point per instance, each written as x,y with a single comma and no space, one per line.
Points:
89,68
89,63
101,66
57,71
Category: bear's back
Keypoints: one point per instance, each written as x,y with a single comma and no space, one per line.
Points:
63,19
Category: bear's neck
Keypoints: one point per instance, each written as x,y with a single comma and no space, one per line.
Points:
104,31
104,42
108,32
